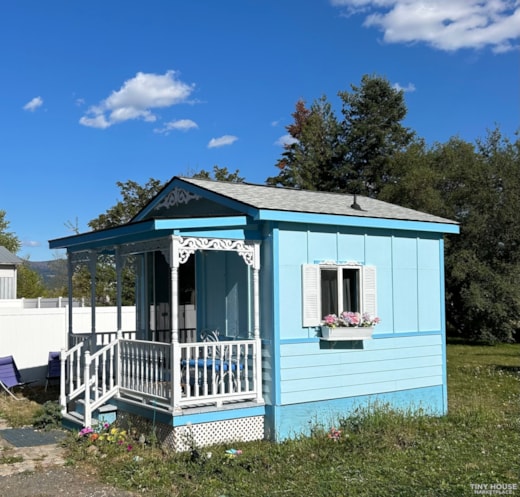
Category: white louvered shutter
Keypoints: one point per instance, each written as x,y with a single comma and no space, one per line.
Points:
311,305
369,291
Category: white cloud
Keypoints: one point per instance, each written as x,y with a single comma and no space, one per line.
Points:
406,89
31,243
179,125
285,140
136,98
223,140
443,24
33,104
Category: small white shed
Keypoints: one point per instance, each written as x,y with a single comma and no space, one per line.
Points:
8,266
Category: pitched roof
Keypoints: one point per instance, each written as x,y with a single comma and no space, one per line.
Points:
7,257
306,201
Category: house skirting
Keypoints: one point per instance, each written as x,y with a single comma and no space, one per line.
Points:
292,420
195,429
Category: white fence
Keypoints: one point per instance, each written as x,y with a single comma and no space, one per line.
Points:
30,334
40,302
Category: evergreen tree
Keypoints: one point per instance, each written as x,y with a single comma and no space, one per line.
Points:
29,283
8,239
313,155
372,134
220,174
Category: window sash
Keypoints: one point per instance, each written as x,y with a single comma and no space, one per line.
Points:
319,301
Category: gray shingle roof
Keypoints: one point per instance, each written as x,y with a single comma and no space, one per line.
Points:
305,201
7,257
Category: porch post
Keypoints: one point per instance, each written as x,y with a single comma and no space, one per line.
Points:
92,269
70,270
256,321
118,290
174,306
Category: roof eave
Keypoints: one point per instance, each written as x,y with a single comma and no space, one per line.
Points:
357,221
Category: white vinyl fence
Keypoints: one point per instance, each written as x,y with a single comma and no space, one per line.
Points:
30,334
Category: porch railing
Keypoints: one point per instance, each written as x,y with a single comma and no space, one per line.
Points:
105,337
218,372
208,373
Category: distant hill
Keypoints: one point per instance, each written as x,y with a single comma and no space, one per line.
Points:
53,273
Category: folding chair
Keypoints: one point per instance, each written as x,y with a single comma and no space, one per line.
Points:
53,368
10,376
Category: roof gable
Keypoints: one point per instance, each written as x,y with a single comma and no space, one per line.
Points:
177,201
190,197
8,258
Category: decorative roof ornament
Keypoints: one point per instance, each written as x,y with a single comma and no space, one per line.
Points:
176,197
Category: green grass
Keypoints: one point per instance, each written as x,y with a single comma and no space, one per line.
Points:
379,452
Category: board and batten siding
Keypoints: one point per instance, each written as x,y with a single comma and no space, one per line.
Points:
7,283
311,372
408,265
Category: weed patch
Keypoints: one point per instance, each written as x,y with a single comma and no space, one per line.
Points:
374,452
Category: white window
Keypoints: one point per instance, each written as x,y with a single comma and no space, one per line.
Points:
334,288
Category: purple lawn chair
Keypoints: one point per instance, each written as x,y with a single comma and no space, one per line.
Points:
10,376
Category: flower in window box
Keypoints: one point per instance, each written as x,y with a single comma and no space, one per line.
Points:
350,319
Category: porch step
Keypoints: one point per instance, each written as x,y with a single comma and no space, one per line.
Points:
72,420
107,413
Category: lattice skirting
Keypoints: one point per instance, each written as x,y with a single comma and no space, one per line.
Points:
183,438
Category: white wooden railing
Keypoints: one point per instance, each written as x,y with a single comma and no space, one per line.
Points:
143,372
218,372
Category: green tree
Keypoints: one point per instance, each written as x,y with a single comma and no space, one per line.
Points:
220,174
29,283
483,263
372,134
476,185
134,198
8,239
312,156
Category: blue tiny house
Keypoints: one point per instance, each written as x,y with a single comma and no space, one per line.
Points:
233,281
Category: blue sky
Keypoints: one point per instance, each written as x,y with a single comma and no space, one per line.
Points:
95,92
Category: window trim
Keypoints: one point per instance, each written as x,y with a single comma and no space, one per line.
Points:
311,290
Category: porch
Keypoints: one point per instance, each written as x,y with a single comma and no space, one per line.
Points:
163,367
160,376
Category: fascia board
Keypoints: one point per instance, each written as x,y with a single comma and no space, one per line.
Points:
93,237
354,221
200,222
143,230
220,199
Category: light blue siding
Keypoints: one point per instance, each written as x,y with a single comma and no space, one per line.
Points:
430,284
400,362
352,244
296,419
311,373
409,294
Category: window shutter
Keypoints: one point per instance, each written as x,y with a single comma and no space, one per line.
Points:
311,305
369,290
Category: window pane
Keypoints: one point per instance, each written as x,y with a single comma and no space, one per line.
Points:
329,291
350,288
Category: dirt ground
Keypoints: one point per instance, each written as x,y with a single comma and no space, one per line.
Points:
56,481
40,471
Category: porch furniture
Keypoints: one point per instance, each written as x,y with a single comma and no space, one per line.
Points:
215,374
10,376
53,368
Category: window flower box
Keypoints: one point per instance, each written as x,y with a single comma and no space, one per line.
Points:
349,333
348,326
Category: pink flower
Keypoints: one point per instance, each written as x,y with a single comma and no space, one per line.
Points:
352,318
330,320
